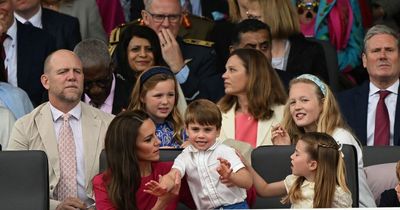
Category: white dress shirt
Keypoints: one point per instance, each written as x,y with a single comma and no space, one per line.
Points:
10,47
390,101
36,19
203,179
76,125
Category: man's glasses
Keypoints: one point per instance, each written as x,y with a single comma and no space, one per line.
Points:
159,18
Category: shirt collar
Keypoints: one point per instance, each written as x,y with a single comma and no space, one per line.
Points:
193,149
12,31
36,20
75,112
394,88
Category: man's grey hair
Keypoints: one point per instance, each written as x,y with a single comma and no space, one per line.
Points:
147,4
93,52
380,29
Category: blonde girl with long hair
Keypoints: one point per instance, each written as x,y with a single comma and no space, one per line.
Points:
312,107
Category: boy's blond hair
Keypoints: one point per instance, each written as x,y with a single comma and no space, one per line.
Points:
203,112
398,170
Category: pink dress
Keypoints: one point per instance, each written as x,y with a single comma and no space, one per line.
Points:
246,128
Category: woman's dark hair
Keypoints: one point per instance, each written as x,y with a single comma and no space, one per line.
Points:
121,55
122,177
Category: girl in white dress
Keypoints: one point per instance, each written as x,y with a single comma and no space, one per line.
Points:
312,107
317,179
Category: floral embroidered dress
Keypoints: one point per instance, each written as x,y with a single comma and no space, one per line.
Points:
165,133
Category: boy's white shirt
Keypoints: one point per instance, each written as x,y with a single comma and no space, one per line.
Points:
200,167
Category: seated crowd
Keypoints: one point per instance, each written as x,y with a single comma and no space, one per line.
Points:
258,76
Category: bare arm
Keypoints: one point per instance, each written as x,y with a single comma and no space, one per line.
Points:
163,201
165,184
241,178
265,189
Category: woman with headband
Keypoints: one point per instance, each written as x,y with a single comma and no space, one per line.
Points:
312,107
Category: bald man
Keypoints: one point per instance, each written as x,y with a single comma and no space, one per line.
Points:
43,129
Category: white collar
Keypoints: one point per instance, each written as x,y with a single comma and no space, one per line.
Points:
75,112
36,19
394,88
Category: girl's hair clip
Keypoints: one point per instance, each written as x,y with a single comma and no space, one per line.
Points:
340,149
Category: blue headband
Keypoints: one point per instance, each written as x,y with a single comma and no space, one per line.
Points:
316,80
153,71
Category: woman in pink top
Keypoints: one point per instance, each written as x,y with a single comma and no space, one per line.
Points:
254,98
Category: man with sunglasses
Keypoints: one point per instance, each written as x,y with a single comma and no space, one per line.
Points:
102,88
192,63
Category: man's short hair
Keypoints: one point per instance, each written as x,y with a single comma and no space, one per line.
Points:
380,29
93,52
248,25
147,3
203,112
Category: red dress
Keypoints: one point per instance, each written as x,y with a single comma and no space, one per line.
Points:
144,200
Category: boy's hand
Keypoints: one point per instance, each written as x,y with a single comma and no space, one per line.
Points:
156,188
225,172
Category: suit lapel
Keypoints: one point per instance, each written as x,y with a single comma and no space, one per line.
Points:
228,127
90,134
46,131
263,128
396,135
361,111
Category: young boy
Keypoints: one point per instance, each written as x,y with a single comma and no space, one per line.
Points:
200,161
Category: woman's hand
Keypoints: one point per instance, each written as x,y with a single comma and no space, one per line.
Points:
279,136
156,188
167,197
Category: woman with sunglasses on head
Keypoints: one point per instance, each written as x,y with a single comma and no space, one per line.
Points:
291,52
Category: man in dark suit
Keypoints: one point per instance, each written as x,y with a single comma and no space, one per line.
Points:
193,63
64,28
25,48
359,105
102,88
252,33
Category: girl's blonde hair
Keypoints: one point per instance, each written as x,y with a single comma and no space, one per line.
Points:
331,171
330,117
142,86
